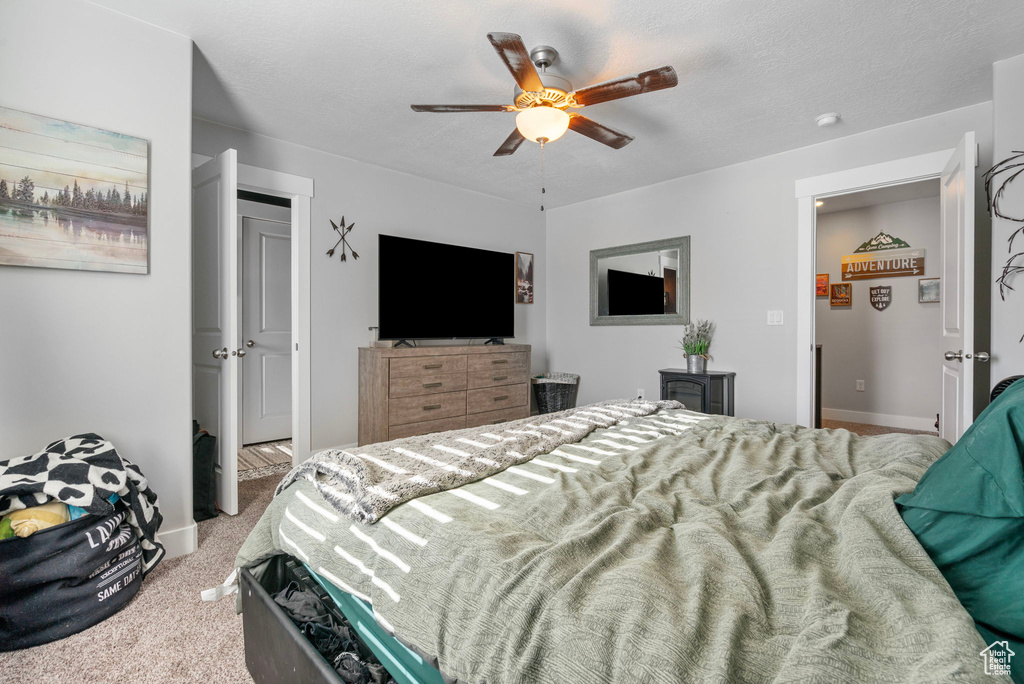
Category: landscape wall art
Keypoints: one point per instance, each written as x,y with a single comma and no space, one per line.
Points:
72,196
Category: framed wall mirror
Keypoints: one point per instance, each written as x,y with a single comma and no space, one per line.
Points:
647,283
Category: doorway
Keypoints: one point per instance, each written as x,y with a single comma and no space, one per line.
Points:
876,332
955,169
219,349
265,401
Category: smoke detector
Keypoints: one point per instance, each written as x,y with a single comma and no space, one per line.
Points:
826,120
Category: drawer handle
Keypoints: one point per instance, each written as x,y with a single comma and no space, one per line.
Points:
432,384
500,377
432,366
431,407
495,422
503,397
498,363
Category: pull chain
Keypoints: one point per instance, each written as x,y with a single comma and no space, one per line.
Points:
543,183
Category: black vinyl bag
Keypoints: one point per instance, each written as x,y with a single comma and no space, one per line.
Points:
204,474
66,578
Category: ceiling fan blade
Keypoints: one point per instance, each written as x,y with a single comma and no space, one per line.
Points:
627,86
511,144
448,109
513,53
599,132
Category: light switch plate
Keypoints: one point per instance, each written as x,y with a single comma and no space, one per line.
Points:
860,385
775,317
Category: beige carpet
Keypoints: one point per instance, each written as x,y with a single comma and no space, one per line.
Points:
266,454
166,634
864,429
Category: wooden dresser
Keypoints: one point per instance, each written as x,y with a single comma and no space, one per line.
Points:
405,392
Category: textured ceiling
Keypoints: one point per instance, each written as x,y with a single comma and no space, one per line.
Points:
339,76
887,195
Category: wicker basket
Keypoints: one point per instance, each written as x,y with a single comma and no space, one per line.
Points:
555,391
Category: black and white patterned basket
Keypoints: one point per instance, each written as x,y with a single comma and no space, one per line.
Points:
555,391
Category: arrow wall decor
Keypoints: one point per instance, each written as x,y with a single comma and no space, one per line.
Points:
342,232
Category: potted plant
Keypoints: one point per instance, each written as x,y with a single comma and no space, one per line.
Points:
696,344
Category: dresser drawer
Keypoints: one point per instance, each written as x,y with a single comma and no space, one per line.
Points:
492,398
498,376
426,427
428,407
427,365
415,385
499,416
499,361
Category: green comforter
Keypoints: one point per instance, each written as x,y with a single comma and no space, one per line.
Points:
669,548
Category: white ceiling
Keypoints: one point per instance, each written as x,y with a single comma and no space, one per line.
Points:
887,195
340,76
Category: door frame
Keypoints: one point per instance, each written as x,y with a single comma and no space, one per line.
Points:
299,190
807,192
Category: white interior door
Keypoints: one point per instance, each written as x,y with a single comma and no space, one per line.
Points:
266,328
957,290
215,340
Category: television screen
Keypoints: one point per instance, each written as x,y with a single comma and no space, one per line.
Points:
430,290
631,294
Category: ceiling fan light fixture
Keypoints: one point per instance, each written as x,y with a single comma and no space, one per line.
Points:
549,123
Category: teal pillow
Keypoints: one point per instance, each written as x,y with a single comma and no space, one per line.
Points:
968,513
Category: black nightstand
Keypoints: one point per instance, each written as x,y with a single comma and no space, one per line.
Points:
709,392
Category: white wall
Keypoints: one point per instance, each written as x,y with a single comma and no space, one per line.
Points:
344,295
898,351
742,221
106,352
1008,316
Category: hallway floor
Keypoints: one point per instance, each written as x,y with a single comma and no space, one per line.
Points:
864,429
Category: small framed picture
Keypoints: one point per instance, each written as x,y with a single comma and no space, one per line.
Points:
842,294
524,278
821,285
928,290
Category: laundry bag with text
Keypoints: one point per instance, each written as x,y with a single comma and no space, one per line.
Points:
66,578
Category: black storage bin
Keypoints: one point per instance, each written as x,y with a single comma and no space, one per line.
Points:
276,652
555,391
204,474
66,578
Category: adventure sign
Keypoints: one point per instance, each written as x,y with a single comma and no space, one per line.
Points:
887,264
881,297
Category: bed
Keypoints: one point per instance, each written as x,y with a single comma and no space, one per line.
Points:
655,544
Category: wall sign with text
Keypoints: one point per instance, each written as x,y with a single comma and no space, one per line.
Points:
881,297
894,263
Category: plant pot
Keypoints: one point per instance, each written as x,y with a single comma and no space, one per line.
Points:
696,364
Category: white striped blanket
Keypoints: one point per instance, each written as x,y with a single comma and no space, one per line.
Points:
366,482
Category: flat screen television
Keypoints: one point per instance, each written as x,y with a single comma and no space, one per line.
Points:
632,294
433,291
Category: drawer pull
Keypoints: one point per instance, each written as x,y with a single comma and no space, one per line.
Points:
432,407
495,422
503,397
432,366
428,385
500,377
499,362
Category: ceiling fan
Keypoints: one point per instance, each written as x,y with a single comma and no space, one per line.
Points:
542,100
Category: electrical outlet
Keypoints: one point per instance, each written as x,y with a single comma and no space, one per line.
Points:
860,385
775,317
640,393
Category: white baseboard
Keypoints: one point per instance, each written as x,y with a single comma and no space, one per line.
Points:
883,419
180,541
